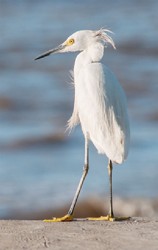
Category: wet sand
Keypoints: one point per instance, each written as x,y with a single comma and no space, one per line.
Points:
94,207
137,233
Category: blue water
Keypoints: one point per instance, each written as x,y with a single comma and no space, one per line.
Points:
36,100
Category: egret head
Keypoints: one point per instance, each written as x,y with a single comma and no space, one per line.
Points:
80,41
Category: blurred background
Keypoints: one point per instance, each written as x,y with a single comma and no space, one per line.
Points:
40,164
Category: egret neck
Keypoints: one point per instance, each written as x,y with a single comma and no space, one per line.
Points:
93,53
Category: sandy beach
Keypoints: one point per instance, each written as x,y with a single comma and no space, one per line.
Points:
137,233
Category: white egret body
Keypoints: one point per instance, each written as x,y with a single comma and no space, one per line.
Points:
99,104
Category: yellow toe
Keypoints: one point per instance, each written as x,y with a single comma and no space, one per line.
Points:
67,217
108,218
101,218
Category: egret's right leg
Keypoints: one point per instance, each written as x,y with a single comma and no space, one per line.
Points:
110,216
69,215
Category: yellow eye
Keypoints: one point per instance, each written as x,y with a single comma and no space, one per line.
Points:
70,41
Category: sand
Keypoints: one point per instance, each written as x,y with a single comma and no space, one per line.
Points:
137,233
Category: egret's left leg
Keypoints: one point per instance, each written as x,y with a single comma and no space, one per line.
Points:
110,216
69,215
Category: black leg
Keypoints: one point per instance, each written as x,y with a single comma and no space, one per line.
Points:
110,168
69,215
85,172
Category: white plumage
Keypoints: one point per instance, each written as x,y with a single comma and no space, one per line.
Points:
99,103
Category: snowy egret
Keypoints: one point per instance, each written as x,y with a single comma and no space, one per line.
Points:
99,106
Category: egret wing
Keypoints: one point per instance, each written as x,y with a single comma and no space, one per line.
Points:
102,111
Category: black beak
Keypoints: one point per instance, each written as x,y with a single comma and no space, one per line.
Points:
55,50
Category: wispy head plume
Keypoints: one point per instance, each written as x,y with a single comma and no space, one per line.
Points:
103,36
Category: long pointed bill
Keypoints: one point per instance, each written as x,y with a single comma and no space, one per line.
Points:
51,51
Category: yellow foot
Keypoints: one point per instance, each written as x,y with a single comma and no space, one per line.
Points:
108,218
67,217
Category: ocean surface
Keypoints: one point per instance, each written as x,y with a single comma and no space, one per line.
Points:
40,164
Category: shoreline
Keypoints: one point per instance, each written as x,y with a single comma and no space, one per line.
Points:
93,207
